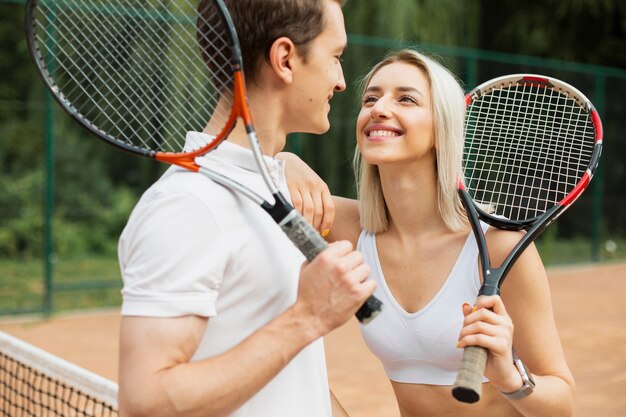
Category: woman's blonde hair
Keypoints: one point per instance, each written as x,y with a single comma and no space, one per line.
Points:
448,104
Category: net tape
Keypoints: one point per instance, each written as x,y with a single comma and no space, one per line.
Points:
38,384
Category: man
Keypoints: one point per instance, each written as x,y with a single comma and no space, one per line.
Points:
220,316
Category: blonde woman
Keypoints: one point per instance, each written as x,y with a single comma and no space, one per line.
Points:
412,230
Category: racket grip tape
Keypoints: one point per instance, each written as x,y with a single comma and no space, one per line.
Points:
302,234
468,386
311,243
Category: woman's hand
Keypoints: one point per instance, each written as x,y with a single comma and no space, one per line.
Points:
488,325
309,193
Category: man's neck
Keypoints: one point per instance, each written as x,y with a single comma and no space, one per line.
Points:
267,123
267,115
239,136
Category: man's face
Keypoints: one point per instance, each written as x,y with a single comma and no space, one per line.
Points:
320,75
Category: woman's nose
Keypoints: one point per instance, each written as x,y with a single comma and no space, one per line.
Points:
380,109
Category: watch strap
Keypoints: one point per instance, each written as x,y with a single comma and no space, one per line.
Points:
524,391
528,385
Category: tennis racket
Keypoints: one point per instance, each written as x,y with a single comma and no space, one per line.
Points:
532,144
139,74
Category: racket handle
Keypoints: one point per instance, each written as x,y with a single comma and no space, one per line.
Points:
468,386
311,243
369,310
302,234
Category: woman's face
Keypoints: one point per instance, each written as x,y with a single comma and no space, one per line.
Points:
395,123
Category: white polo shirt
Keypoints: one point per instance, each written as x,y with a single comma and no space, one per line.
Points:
193,247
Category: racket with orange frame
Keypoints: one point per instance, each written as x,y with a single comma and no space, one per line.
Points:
139,74
532,145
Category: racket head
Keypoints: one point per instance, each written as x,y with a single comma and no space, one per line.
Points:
532,144
139,74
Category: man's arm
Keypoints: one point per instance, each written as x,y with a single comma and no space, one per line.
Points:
157,379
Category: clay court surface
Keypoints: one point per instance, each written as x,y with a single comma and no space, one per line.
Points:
590,308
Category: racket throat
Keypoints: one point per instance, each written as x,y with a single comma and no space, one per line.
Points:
489,290
492,281
280,210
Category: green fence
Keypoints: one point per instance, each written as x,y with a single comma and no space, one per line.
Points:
62,276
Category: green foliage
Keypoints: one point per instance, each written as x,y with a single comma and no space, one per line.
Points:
445,22
94,230
577,250
97,186
21,234
591,31
22,289
90,210
21,189
21,286
17,72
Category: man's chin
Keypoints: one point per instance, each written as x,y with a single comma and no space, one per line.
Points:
318,128
322,128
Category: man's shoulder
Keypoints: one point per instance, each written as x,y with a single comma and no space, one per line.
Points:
183,180
179,183
180,201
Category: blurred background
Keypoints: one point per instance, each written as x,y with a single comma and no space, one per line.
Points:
60,217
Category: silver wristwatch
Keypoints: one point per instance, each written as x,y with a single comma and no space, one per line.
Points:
528,384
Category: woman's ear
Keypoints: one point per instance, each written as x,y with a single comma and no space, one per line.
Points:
281,57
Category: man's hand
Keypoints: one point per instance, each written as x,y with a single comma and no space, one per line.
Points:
333,286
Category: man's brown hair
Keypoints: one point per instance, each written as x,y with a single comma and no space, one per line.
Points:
260,22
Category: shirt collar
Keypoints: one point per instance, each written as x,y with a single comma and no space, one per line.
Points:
236,155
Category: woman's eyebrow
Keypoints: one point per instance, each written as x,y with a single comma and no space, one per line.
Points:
403,89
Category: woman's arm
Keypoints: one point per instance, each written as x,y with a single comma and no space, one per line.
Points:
346,225
336,218
309,193
522,318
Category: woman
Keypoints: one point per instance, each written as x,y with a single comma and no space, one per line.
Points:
414,234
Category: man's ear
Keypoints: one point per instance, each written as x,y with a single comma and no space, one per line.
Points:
281,58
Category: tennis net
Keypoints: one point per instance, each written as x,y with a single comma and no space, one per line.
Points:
38,384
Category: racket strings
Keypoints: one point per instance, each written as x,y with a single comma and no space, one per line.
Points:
106,86
110,96
133,69
527,146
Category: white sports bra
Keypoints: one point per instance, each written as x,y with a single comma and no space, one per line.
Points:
420,347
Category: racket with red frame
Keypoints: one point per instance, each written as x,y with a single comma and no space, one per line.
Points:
532,145
139,74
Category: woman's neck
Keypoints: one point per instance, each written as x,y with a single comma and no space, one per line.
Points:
410,192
